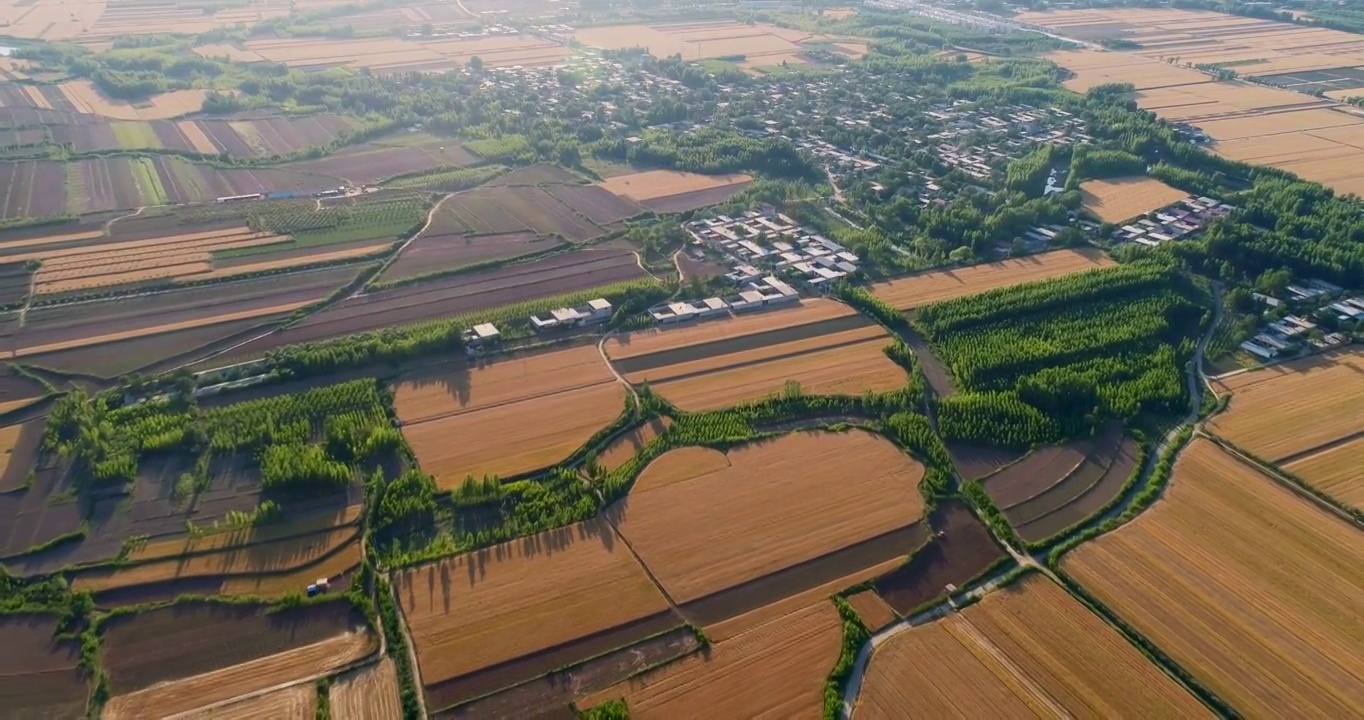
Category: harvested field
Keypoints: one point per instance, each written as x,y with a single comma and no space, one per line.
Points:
826,347
666,191
271,557
873,611
292,703
549,696
1027,650
533,411
1100,67
370,693
1335,471
626,446
699,40
656,184
782,507
777,669
933,286
9,442
493,618
457,295
296,664
1290,410
239,537
1181,574
39,675
1119,199
393,54
84,97
175,659
959,550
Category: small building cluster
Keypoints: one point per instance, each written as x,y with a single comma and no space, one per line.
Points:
594,312
1280,337
764,243
1181,220
769,291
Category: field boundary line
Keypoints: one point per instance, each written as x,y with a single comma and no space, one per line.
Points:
1325,447
1274,473
369,659
1005,662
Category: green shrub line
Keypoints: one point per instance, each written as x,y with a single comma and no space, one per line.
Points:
1133,479
855,635
609,710
324,699
976,497
397,648
1272,470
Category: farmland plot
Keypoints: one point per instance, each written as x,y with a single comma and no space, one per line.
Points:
1117,199
825,347
785,502
39,675
530,412
1030,649
495,617
667,191
776,669
1181,574
933,286
185,656
452,296
370,693
1302,415
434,253
958,550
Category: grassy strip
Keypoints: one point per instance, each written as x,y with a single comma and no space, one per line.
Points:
855,635
324,699
609,710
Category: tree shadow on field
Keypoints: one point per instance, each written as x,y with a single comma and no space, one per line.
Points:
482,565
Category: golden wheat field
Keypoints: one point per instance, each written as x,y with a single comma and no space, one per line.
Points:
1304,415
1026,650
369,693
774,670
926,288
1256,591
492,606
1118,199
515,414
768,506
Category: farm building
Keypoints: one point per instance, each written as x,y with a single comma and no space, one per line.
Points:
594,312
758,242
482,334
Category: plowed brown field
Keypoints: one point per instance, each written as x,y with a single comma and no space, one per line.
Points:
624,447
501,608
775,670
370,693
1026,650
934,286
515,415
776,504
1119,199
1245,584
